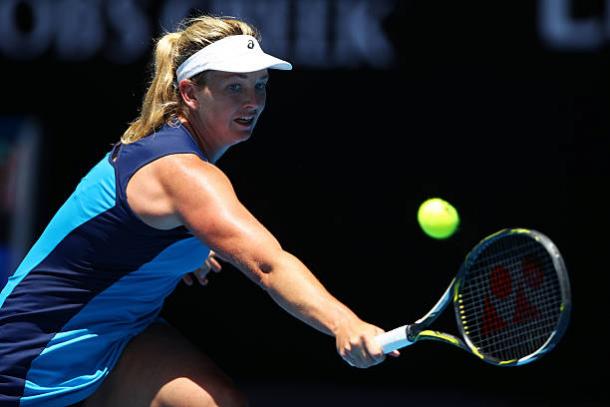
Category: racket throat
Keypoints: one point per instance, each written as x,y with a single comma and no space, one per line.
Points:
412,332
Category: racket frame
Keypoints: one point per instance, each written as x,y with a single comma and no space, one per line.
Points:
564,284
407,335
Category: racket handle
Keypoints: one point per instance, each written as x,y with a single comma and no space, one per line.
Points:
394,339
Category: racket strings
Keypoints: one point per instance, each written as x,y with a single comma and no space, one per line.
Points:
528,311
506,341
510,298
530,308
542,298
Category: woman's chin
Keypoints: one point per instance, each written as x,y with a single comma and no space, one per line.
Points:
243,134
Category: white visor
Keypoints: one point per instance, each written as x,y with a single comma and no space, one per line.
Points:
235,53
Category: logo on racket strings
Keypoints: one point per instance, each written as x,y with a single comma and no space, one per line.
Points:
508,301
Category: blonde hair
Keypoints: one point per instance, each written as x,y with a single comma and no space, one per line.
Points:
162,102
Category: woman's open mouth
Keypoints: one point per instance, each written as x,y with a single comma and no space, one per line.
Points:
245,121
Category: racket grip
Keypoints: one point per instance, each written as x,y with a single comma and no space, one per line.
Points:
394,339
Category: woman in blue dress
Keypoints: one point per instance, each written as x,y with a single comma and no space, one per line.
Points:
79,317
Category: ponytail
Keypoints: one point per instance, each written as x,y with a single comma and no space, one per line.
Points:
161,99
162,102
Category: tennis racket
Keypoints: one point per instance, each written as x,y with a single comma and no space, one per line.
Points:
511,298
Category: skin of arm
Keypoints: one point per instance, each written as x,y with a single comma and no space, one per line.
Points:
203,199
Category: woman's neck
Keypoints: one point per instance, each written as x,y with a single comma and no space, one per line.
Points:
213,154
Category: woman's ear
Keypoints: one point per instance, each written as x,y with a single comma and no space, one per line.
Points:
188,92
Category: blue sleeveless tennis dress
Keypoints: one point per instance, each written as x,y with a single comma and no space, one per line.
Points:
97,277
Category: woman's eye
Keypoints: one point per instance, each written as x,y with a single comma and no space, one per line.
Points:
235,87
261,85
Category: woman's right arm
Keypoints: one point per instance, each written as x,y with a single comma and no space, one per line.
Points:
204,200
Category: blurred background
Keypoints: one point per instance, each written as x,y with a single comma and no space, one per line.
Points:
501,107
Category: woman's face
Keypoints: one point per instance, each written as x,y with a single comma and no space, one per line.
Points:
230,104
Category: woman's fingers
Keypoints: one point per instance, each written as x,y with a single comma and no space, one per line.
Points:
210,264
202,273
361,349
188,279
215,265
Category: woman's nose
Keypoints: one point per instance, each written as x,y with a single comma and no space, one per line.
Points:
253,99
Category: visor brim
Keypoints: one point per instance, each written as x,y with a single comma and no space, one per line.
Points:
250,63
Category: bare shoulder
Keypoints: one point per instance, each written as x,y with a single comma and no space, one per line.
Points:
187,174
199,196
158,191
196,190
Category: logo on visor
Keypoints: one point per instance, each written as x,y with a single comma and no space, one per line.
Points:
250,44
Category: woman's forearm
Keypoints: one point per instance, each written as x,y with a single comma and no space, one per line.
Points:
298,291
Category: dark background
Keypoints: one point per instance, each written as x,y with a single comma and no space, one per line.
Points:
476,108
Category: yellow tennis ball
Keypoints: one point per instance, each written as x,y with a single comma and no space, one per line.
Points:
438,218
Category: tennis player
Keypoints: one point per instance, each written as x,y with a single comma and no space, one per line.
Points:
79,317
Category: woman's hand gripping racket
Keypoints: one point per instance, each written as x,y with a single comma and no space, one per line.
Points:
511,299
